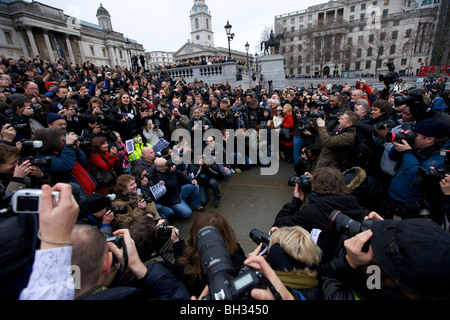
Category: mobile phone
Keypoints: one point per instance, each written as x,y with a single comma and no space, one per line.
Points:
28,201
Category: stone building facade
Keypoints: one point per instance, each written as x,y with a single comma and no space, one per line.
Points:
356,37
31,29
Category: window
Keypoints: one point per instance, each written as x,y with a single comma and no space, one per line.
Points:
404,61
360,39
104,52
301,27
392,50
385,13
284,22
309,25
408,33
120,54
207,23
8,38
300,47
352,8
368,64
375,3
362,16
292,29
301,19
396,23
349,40
361,28
371,37
292,20
92,50
383,36
358,66
369,52
363,6
358,53
386,2
380,50
394,35
197,26
351,18
310,17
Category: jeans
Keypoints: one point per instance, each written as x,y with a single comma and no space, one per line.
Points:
298,146
164,212
214,185
191,192
228,173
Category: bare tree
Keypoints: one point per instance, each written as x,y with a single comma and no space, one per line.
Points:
378,47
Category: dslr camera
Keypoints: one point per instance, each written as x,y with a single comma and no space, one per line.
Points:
259,237
304,182
117,210
163,230
45,162
409,136
349,227
391,77
219,270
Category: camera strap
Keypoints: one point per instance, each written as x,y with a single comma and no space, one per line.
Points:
272,289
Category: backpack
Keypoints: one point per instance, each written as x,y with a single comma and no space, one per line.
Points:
360,153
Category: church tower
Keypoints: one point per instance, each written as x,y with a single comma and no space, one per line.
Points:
201,24
104,19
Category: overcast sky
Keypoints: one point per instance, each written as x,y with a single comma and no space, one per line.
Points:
165,25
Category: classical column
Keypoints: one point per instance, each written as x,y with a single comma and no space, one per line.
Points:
69,47
111,56
83,57
117,55
33,45
49,46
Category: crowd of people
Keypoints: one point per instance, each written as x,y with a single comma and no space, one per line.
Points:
102,138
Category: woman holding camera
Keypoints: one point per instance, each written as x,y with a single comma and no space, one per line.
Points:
188,267
127,117
103,159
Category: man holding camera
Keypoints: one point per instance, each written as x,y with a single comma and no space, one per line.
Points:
136,205
335,147
408,195
329,193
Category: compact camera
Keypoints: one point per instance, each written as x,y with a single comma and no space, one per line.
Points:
28,201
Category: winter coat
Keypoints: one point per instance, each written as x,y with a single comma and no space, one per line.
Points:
157,284
315,216
133,210
335,147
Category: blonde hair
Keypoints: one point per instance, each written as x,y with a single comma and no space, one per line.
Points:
298,244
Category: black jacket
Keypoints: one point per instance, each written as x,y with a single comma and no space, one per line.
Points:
315,216
157,284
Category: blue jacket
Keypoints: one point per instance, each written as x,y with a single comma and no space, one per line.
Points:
62,165
404,186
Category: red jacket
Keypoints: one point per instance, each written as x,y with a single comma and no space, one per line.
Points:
105,162
288,122
366,89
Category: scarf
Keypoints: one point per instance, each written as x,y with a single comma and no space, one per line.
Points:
83,179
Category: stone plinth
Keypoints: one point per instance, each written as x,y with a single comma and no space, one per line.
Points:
272,69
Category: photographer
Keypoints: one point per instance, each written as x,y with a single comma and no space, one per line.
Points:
151,132
188,267
336,147
177,192
413,256
408,195
223,118
126,195
68,244
329,192
178,120
198,121
67,159
97,213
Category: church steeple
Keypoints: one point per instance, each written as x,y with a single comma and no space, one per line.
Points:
201,24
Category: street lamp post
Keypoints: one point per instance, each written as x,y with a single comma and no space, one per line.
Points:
230,36
247,47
